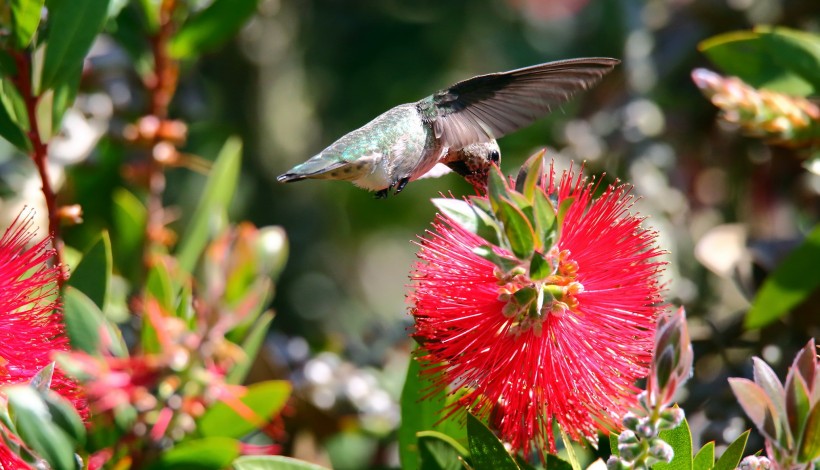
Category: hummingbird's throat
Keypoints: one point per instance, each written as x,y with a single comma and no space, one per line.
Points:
528,303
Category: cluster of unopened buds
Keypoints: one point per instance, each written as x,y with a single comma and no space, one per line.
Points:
640,445
785,119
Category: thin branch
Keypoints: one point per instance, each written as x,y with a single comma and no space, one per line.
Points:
39,154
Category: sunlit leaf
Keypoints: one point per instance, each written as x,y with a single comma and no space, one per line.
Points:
226,419
9,129
680,439
789,285
517,228
530,175
25,17
37,429
798,403
212,453
73,26
92,276
211,27
129,216
732,455
485,449
810,445
272,462
213,204
85,322
421,411
705,458
439,451
251,347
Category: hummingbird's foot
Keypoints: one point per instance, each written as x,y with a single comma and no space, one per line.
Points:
402,183
382,194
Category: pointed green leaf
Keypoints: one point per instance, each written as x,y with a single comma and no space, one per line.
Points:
504,263
540,268
545,220
42,379
798,403
810,445
517,228
805,362
496,186
472,219
421,411
570,450
530,175
150,13
272,462
765,377
485,449
73,26
732,455
129,216
160,287
563,208
65,417
755,403
92,276
680,439
440,452
251,347
212,453
62,97
705,458
9,129
556,463
613,444
211,27
265,399
789,285
213,204
25,17
84,322
37,429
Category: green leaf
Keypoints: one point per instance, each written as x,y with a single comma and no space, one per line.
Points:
129,217
504,263
485,449
440,452
530,175
65,417
211,27
540,268
42,379
250,347
272,462
421,411
789,285
150,11
574,463
732,455
213,453
265,399
705,458
63,97
213,204
680,439
471,218
545,220
9,129
613,444
755,403
810,445
92,276
496,186
73,26
160,287
557,463
36,428
798,403
84,321
25,17
517,228
746,55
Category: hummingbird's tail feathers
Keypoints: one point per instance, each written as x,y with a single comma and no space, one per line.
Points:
315,168
490,106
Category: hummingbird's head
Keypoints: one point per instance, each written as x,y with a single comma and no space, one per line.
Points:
474,161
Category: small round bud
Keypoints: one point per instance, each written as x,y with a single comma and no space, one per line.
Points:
630,451
671,418
646,429
630,421
660,450
749,463
627,437
614,463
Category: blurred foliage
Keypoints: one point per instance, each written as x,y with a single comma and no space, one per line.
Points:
290,77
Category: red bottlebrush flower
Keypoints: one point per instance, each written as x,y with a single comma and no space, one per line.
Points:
31,328
576,356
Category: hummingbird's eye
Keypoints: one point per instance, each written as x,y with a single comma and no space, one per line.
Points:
494,156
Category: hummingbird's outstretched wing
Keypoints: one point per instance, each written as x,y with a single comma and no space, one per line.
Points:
487,107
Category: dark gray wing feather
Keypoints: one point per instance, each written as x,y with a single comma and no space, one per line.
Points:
489,106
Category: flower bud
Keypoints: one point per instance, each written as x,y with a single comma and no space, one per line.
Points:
627,437
660,450
614,463
646,429
630,451
670,418
630,421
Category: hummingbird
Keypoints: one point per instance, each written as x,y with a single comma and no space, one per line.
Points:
456,127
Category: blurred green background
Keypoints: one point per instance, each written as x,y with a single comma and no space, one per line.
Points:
302,73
